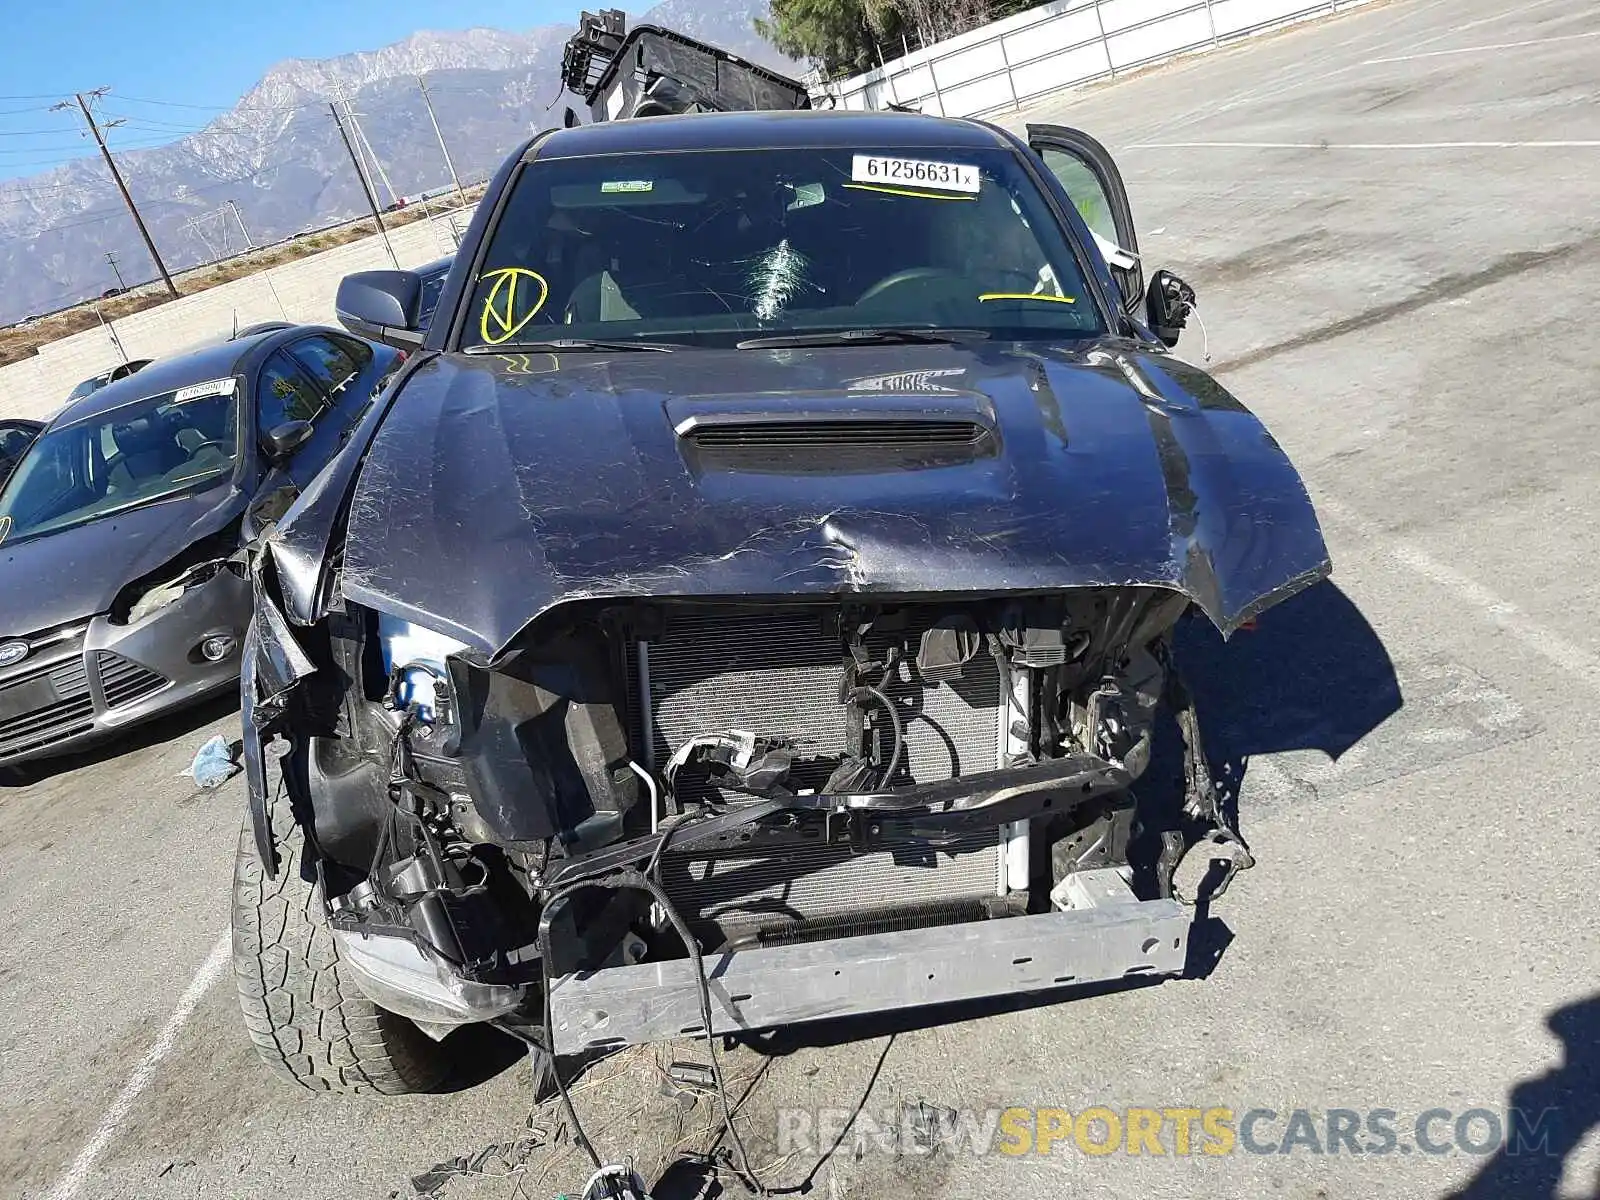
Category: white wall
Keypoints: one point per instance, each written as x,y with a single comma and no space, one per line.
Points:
300,291
1007,63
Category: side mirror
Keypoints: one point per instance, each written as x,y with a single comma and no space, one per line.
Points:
382,306
1168,304
281,441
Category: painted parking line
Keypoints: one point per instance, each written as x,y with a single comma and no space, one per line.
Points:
1564,37
116,1115
1572,144
1578,662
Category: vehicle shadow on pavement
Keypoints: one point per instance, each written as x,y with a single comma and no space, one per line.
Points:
478,1053
169,727
842,1031
1547,1117
1313,675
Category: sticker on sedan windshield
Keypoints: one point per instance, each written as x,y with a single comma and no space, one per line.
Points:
628,185
196,391
914,172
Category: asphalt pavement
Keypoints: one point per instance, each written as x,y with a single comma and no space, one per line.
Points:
1392,219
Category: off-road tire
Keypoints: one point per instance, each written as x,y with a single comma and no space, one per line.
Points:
310,1023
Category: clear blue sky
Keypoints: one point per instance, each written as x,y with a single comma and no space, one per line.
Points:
194,52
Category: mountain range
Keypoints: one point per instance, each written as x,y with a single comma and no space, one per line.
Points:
279,156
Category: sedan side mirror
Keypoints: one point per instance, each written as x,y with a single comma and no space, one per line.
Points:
382,306
1168,304
281,441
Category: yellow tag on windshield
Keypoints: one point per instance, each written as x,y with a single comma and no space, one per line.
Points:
503,315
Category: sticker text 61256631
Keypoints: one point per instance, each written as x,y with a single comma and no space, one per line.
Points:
914,172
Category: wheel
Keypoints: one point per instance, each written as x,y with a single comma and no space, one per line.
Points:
310,1023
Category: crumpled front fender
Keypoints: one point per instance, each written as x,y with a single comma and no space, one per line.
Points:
274,663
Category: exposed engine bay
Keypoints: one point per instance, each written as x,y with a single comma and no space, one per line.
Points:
784,775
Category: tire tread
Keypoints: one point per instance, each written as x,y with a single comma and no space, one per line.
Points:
310,1023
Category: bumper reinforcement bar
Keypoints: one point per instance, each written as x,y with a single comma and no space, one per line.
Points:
1106,934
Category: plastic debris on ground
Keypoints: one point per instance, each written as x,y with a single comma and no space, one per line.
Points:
215,763
499,1160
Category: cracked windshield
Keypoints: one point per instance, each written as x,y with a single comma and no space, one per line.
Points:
709,247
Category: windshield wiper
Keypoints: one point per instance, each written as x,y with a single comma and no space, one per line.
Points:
857,337
554,344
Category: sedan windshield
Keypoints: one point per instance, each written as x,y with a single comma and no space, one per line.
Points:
724,247
148,450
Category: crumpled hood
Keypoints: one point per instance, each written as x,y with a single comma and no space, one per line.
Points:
499,487
76,573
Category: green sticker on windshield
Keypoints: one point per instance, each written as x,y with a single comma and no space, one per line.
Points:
628,185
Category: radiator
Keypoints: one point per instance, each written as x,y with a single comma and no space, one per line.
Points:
779,675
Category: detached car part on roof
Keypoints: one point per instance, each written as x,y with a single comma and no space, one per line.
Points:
774,547
650,71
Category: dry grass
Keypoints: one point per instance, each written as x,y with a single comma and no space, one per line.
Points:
17,343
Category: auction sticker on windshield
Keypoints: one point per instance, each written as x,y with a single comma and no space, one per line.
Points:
195,391
945,176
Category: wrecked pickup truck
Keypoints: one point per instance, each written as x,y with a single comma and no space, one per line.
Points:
750,604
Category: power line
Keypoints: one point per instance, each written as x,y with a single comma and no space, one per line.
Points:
36,149
116,175
135,120
223,108
88,219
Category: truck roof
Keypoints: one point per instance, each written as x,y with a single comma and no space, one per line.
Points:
758,130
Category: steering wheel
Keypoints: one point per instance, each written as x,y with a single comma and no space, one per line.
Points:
219,443
909,275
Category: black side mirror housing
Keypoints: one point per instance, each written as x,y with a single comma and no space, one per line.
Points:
281,441
382,306
1168,304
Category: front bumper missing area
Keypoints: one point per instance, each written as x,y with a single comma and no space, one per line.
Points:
1107,934
395,975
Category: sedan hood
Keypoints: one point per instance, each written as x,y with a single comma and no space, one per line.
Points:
500,487
76,573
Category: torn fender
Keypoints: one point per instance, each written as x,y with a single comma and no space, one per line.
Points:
502,487
273,664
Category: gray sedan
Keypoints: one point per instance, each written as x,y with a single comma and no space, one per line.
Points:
118,594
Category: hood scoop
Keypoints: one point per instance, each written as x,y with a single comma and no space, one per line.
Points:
836,437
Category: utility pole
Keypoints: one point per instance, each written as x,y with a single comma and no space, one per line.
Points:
438,133
372,201
250,244
111,332
116,175
193,226
112,259
364,147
